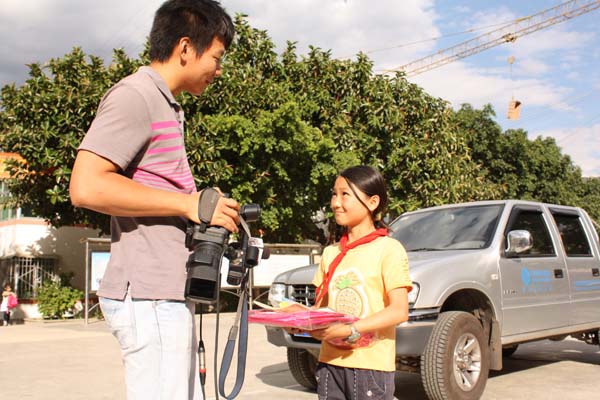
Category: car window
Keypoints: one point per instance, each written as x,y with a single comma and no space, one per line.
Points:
533,221
572,235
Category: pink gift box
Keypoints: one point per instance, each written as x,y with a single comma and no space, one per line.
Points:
305,320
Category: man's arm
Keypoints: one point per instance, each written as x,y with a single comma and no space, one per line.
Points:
97,185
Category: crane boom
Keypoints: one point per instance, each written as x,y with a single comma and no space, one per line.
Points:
506,34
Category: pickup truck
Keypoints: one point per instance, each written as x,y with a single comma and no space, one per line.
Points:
487,276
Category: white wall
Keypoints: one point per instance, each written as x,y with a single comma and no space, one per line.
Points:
18,237
33,237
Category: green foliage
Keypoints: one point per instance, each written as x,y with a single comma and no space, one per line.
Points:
522,168
276,129
590,198
44,121
54,300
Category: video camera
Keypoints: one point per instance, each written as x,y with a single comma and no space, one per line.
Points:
208,248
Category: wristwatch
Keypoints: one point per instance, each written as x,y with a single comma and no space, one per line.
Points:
354,335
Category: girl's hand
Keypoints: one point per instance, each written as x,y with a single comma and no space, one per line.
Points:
336,331
294,331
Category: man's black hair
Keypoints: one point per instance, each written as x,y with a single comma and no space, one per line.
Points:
200,20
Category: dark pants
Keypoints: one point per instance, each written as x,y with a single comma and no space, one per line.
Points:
6,317
339,383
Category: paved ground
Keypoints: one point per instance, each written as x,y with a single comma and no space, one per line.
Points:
72,361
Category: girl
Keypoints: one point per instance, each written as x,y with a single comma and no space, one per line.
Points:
5,307
365,275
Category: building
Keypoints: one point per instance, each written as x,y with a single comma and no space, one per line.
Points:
32,251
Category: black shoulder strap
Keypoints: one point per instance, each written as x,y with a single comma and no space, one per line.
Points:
241,319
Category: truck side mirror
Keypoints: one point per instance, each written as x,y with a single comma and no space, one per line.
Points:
518,242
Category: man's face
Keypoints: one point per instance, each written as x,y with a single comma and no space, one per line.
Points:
202,70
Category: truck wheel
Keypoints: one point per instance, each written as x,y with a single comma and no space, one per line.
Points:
303,366
455,363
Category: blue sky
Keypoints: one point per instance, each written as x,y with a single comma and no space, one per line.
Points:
555,72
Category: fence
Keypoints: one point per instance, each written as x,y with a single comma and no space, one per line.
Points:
27,274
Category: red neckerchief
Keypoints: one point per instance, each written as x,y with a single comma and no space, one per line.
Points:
345,247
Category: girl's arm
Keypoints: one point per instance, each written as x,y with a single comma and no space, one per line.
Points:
395,313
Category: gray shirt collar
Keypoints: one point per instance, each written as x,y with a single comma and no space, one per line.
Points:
161,85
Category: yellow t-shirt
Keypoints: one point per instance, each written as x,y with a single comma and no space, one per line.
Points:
359,287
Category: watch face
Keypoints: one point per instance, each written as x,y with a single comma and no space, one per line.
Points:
354,336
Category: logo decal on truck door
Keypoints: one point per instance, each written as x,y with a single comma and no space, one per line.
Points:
536,280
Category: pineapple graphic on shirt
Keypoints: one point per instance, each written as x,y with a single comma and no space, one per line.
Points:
349,294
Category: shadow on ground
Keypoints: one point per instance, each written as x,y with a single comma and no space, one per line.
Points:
408,386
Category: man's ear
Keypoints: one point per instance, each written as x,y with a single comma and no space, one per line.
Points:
184,49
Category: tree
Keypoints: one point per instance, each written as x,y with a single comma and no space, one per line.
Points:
44,121
274,130
522,168
590,198
378,120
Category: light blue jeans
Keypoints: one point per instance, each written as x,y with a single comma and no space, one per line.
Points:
158,343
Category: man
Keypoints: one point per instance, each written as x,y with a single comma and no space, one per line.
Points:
132,165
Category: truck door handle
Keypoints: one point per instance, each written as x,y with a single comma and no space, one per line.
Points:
595,272
558,273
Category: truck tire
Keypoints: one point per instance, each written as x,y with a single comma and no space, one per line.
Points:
455,363
303,365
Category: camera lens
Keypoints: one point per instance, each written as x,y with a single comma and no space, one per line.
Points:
250,212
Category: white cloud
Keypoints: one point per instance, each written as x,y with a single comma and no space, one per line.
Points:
582,144
36,31
460,83
530,67
553,39
489,19
347,27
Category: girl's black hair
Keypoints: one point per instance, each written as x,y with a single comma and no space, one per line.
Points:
369,181
200,20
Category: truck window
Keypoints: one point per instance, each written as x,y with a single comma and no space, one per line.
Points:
572,235
533,221
455,228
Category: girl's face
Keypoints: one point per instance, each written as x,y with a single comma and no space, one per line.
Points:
347,208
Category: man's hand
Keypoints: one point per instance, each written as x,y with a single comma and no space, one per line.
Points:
227,214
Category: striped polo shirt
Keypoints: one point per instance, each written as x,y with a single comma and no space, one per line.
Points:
139,127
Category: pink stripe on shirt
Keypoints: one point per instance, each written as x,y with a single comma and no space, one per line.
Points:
163,124
164,149
180,184
182,178
145,166
166,185
165,136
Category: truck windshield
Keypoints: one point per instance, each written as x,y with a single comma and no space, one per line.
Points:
456,228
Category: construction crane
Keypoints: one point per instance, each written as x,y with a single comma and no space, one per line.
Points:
507,34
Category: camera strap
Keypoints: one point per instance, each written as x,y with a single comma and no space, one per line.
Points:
207,203
241,318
